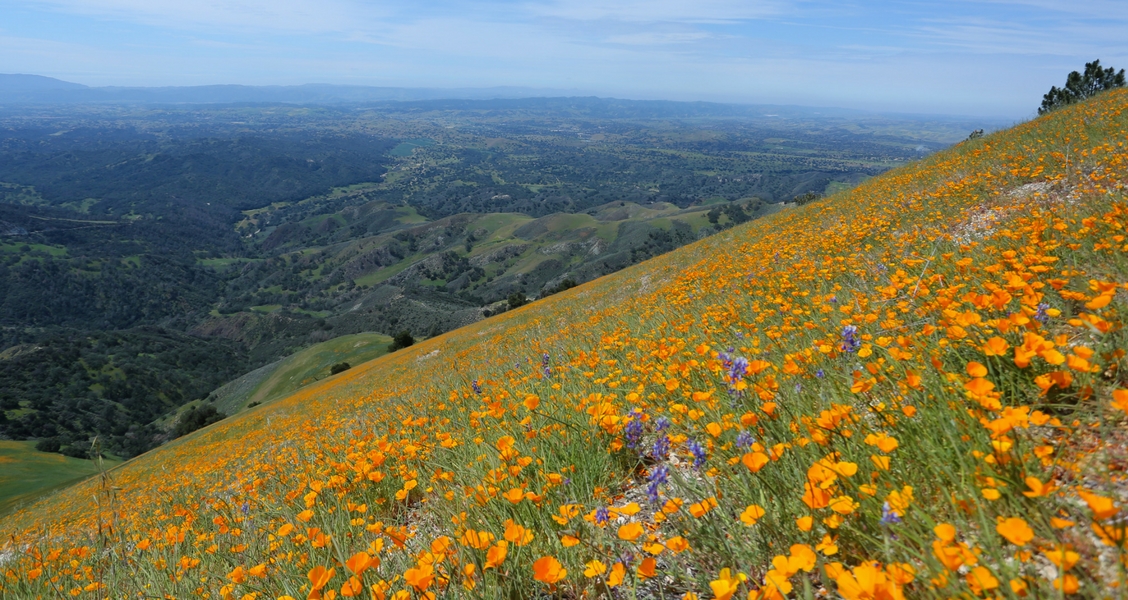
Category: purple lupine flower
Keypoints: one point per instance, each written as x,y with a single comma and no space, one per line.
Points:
602,515
744,439
661,448
738,369
820,373
889,516
1041,315
658,476
699,453
850,341
477,388
634,428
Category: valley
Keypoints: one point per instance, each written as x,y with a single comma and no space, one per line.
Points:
151,255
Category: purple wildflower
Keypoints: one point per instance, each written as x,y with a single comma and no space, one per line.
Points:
633,429
658,476
602,515
744,439
738,369
850,341
661,448
699,453
889,516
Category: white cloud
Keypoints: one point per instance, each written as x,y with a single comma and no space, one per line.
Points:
656,11
296,16
1099,9
659,38
926,55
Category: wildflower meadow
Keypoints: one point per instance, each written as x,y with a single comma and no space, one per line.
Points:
913,389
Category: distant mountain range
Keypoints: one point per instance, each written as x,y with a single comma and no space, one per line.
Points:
36,89
17,90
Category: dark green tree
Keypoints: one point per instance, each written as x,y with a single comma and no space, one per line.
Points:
806,198
1079,86
402,340
517,299
196,418
736,214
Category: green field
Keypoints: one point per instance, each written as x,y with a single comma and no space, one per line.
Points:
405,148
26,473
303,368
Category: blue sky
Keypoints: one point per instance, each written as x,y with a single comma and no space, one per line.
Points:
989,58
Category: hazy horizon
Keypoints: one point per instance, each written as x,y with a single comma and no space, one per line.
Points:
993,58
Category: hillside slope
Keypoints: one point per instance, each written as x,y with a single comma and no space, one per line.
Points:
300,369
915,388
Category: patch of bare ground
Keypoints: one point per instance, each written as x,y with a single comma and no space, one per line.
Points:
982,220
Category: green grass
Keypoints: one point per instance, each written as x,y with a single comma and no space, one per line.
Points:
407,147
496,221
838,186
82,207
383,274
300,369
56,251
216,263
408,214
26,473
319,219
14,193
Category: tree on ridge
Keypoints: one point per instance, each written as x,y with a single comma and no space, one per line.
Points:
1079,86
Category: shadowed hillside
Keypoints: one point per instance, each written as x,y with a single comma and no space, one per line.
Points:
911,389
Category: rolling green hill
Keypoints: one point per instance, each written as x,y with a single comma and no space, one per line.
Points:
26,473
285,376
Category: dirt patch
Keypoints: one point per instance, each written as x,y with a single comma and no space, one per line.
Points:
982,220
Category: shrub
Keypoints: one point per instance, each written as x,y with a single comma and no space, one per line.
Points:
196,418
50,444
75,450
402,340
517,299
807,198
567,284
340,367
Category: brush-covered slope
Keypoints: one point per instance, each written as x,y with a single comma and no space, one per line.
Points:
912,389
